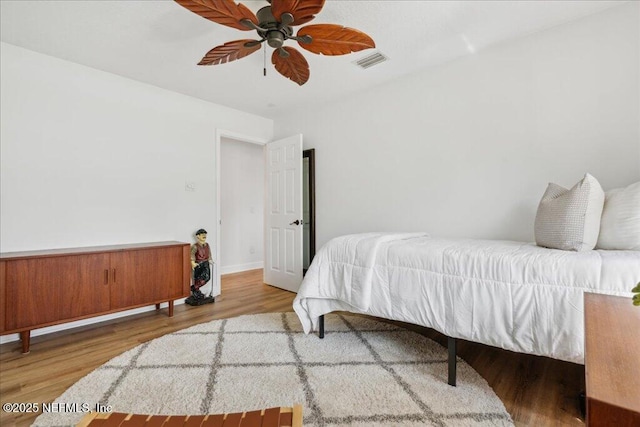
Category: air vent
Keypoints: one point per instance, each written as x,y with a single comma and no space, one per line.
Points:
371,60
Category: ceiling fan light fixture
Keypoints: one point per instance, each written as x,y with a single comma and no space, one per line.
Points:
275,39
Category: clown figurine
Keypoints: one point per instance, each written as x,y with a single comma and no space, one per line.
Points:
200,259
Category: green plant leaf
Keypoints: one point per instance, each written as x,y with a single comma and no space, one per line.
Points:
636,289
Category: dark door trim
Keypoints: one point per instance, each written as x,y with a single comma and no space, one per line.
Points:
312,200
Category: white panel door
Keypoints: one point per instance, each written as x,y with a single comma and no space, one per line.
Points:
283,213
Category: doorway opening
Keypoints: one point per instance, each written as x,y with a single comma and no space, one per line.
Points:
234,144
241,206
240,223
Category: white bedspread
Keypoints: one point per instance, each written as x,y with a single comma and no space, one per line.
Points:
511,295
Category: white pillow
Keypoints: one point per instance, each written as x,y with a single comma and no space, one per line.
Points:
570,219
620,224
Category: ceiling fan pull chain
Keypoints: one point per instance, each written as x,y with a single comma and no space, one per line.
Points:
265,60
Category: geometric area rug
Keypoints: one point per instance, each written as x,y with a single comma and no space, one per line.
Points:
364,373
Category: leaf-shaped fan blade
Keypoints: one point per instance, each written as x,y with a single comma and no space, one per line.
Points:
228,52
303,11
225,12
331,39
293,67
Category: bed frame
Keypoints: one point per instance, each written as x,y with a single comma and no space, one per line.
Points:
451,348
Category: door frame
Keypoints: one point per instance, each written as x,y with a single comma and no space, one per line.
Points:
310,153
223,133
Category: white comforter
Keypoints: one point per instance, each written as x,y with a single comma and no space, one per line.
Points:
511,295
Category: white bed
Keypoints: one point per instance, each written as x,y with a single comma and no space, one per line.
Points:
512,295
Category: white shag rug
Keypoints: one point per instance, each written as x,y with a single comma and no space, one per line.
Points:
364,373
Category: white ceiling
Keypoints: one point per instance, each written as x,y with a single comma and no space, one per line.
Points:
160,43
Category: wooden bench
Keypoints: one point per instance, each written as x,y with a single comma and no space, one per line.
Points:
272,417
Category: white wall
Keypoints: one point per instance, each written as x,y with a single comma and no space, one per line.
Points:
90,158
242,206
468,148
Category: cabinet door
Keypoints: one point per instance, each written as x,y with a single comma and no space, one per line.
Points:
87,291
142,277
48,290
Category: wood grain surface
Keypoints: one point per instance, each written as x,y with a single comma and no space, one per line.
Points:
612,360
536,391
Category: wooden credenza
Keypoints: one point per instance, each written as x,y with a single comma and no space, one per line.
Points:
612,361
44,288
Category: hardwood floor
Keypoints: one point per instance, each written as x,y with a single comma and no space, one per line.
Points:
536,391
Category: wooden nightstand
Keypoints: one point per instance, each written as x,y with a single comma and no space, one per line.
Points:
612,360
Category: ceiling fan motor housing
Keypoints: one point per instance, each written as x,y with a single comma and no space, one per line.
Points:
275,33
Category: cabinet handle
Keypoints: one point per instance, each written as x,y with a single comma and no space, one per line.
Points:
114,275
106,276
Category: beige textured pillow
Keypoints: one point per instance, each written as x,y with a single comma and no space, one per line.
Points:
620,224
570,219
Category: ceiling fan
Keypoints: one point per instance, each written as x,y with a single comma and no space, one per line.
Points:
274,24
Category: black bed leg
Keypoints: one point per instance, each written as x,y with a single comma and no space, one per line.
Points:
451,343
321,326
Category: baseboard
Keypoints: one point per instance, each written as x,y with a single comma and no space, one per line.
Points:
228,269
